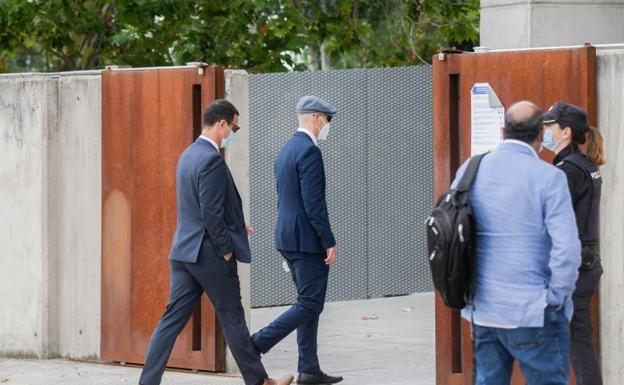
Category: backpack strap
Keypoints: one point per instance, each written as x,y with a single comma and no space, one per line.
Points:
471,172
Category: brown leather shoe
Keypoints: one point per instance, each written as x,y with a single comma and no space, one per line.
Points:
286,380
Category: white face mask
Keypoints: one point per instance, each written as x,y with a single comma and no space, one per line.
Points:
324,132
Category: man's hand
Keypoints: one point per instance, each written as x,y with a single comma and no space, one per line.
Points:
250,230
227,256
332,253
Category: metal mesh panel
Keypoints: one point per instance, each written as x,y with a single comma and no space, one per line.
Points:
400,179
379,178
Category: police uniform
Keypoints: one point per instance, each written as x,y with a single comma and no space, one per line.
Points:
584,181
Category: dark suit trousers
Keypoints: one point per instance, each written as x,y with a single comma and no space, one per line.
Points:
582,353
219,279
309,273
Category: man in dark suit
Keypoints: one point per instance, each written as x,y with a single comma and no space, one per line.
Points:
304,237
210,237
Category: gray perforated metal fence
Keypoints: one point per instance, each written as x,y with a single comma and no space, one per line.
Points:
378,162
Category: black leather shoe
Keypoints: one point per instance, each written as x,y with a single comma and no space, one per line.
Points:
317,379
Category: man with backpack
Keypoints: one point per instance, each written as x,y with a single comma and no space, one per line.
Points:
527,257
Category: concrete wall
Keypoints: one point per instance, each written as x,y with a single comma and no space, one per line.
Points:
237,158
544,23
610,74
24,114
74,219
50,227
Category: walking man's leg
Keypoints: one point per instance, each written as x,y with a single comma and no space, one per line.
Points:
307,335
184,293
219,278
310,274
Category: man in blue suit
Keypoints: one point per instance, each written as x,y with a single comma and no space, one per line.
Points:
210,237
304,237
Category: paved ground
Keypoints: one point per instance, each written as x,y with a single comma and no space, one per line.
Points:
395,347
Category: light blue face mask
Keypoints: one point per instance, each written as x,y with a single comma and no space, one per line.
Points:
548,141
228,141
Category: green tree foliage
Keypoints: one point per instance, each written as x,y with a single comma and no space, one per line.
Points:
257,35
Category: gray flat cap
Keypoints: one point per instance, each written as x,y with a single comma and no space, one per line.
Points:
310,104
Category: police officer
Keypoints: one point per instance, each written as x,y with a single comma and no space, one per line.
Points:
565,128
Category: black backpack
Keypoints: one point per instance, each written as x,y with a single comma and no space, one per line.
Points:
451,238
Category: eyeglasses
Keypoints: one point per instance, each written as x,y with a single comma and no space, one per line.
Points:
234,126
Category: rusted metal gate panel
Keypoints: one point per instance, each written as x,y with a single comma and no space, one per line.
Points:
149,116
542,76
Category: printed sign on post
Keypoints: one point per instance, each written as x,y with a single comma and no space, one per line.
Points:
487,116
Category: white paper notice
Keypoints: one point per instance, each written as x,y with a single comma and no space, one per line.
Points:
487,118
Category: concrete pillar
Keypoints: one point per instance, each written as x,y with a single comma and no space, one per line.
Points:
50,227
237,158
547,23
74,216
25,112
610,74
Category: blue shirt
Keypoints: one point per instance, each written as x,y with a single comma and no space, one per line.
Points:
528,251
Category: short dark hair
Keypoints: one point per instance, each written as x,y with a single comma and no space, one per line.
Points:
219,110
526,131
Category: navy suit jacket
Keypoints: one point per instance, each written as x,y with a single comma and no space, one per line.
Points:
209,207
302,219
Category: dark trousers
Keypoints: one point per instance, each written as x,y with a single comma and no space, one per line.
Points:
219,279
309,273
582,353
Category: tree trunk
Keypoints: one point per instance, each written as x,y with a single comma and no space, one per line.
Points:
313,58
325,60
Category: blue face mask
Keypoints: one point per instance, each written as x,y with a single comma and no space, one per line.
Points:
227,141
548,142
